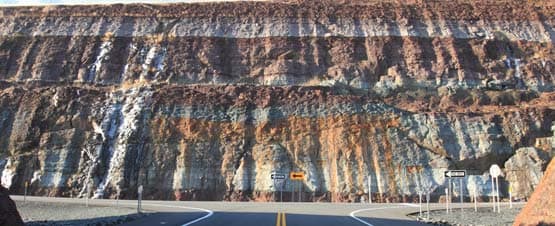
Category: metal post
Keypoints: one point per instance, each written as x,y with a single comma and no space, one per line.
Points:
461,194
25,192
140,193
293,190
510,196
300,191
475,201
450,195
87,196
493,192
446,200
117,198
428,206
420,203
281,190
369,188
498,199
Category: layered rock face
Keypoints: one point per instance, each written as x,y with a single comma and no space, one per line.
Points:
204,101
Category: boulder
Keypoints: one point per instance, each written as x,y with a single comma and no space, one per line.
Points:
540,209
524,171
8,211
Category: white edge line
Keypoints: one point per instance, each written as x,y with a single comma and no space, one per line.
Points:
352,214
210,212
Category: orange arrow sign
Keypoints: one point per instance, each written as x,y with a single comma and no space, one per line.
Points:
296,175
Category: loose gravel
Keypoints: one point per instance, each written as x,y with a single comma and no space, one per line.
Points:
484,216
43,213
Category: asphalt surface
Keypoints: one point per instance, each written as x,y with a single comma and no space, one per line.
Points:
264,214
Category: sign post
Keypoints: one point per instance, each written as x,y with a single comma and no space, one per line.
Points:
450,174
140,191
298,176
475,202
87,195
279,177
369,188
25,193
495,172
117,196
497,193
461,194
428,205
510,196
447,200
420,203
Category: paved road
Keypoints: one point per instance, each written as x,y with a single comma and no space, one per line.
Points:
264,214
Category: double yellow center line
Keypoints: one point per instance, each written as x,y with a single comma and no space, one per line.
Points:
281,219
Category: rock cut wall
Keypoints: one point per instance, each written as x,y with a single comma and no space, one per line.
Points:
204,101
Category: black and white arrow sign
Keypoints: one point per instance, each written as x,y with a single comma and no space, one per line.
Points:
455,173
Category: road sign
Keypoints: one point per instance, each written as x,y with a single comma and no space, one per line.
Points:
455,173
296,176
278,176
494,170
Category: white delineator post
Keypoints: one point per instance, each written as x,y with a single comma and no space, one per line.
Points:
117,197
495,172
511,195
87,195
461,194
497,193
446,200
369,188
25,193
428,206
475,202
140,191
448,194
420,203
493,193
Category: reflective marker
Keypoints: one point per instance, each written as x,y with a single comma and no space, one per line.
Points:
510,196
25,193
446,202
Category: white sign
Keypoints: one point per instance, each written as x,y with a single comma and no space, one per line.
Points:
140,189
494,170
278,176
455,173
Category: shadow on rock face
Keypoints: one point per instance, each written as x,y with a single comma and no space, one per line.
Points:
8,211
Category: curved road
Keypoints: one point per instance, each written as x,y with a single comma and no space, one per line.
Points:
262,214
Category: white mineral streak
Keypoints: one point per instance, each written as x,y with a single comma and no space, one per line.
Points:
268,27
105,47
36,176
7,174
55,99
241,179
148,61
52,172
159,63
119,133
154,62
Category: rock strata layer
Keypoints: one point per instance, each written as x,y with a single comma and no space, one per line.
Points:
204,101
